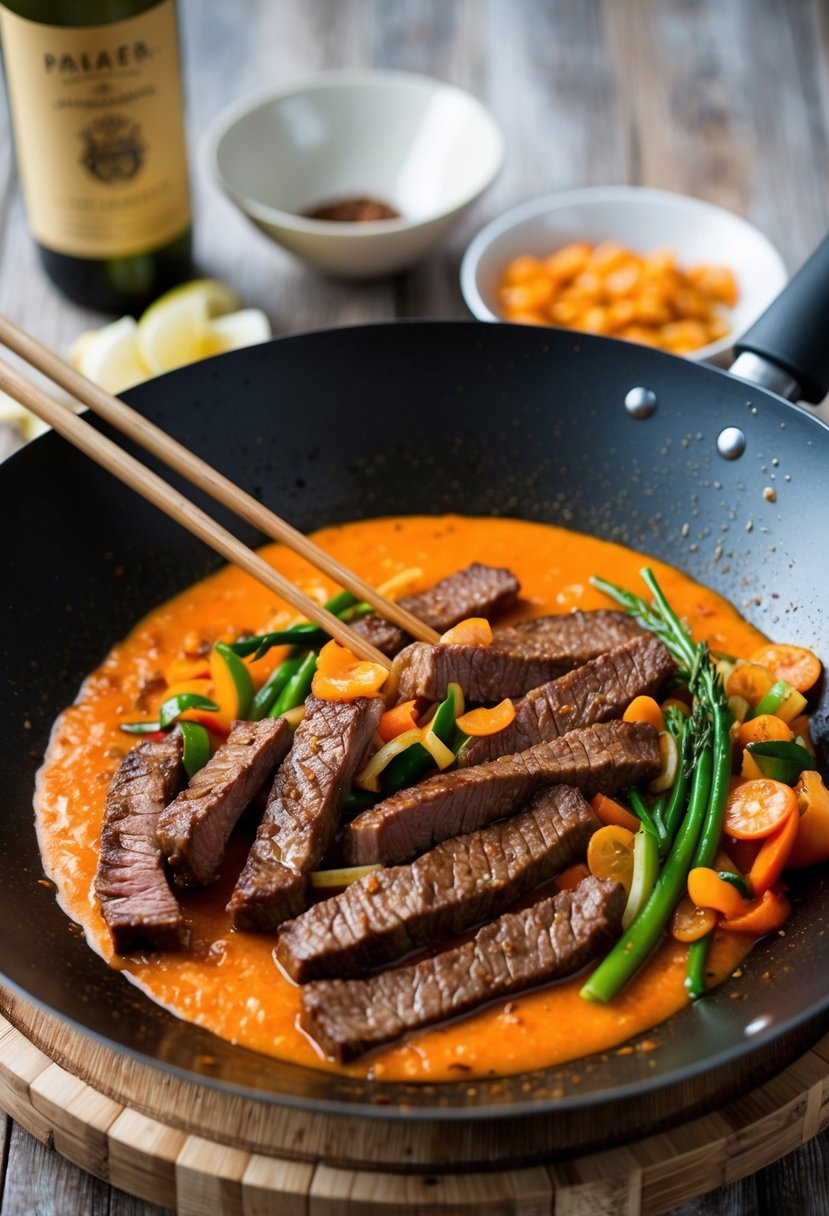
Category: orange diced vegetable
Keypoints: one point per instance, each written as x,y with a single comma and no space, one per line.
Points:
394,721
645,709
757,808
689,923
801,727
749,680
749,768
474,631
811,843
479,722
774,853
607,810
761,729
570,878
763,915
341,676
610,854
794,664
708,890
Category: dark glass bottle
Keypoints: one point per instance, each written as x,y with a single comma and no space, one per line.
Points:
95,93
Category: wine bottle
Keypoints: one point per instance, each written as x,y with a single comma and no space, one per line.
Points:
95,95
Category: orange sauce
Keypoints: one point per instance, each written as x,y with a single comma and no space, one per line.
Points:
228,982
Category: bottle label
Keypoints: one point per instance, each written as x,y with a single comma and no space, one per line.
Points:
97,114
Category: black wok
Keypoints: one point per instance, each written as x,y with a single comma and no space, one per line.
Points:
432,417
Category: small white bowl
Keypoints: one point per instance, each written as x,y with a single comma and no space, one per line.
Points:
637,218
424,147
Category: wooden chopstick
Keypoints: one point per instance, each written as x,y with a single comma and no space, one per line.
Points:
153,439
152,487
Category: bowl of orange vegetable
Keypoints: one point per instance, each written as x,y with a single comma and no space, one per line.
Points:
644,265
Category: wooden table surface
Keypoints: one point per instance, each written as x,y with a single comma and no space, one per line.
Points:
725,99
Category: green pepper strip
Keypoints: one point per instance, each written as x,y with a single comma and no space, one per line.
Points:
639,939
297,687
273,686
415,762
304,633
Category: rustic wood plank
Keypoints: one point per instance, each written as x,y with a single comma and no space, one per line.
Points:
39,1181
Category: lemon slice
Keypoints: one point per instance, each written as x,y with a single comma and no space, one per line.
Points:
175,330
109,356
12,414
247,327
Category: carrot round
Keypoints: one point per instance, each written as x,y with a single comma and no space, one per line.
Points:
749,680
645,709
774,854
757,808
763,915
610,854
689,923
707,890
812,841
608,810
480,722
398,719
794,664
763,728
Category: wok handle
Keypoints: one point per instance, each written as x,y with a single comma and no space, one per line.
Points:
793,332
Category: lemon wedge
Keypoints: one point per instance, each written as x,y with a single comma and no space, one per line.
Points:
175,330
184,325
109,356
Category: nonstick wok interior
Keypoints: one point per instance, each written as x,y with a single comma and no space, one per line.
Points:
422,417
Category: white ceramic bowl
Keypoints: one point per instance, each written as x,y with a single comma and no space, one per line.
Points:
426,148
640,219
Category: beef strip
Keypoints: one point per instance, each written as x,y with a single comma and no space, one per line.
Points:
484,674
194,829
608,756
476,591
303,810
547,941
595,692
136,901
571,637
457,885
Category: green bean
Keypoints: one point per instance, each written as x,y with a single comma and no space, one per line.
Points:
273,686
636,943
298,686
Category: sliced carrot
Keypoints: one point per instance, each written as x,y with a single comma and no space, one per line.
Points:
187,669
341,676
645,709
480,722
757,808
707,890
609,811
749,680
689,923
794,664
474,631
610,854
774,853
763,915
570,878
812,841
398,719
761,729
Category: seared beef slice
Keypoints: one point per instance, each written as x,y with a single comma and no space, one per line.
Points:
303,810
547,941
572,638
457,885
136,901
595,692
608,757
195,828
476,591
